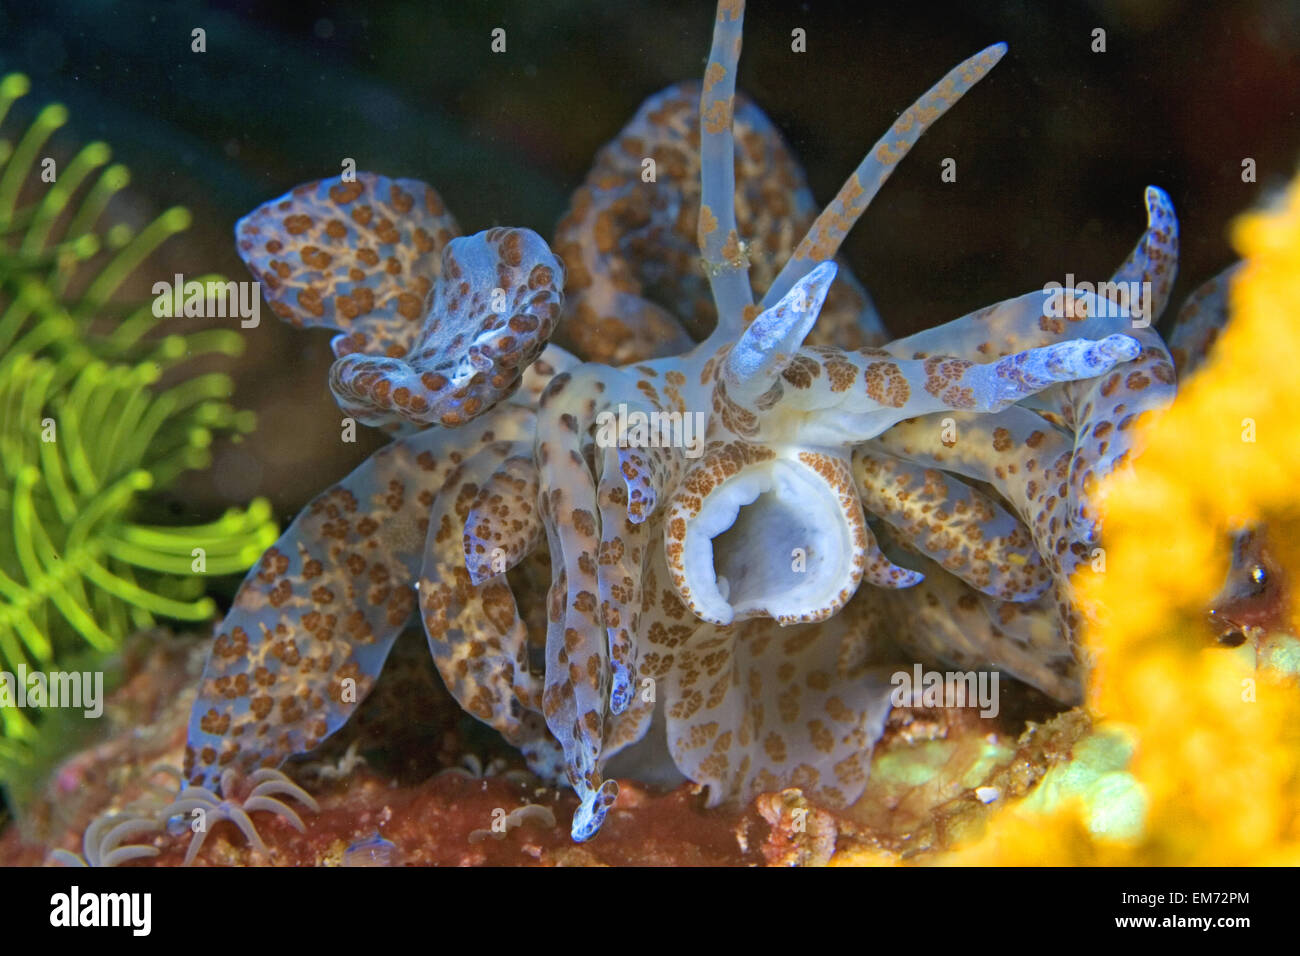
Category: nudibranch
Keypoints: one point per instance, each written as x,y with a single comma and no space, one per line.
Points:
740,451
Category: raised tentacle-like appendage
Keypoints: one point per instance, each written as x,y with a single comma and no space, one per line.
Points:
739,452
836,220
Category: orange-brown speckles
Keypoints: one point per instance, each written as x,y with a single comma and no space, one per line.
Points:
717,117
343,193
841,374
297,224
887,385
708,223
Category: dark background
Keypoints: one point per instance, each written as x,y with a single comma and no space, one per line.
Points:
1052,150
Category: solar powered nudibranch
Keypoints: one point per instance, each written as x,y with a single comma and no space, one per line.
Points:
706,613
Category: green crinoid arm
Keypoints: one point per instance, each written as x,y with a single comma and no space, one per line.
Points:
97,414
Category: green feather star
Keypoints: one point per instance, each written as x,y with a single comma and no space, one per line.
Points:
87,431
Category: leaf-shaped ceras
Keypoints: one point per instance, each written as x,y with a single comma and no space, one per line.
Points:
314,621
493,310
629,238
360,257
435,328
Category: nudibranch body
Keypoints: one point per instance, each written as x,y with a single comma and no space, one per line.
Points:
705,607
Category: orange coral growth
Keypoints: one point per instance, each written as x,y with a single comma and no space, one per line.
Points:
1217,752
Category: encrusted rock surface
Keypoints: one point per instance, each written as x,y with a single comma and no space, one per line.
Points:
413,782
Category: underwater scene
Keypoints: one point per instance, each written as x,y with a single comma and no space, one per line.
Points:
521,433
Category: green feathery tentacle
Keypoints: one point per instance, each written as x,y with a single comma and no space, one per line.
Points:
87,432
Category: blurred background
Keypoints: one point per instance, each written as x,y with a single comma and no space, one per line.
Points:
1052,150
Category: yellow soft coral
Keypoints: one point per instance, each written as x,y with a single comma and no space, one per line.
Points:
1217,743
